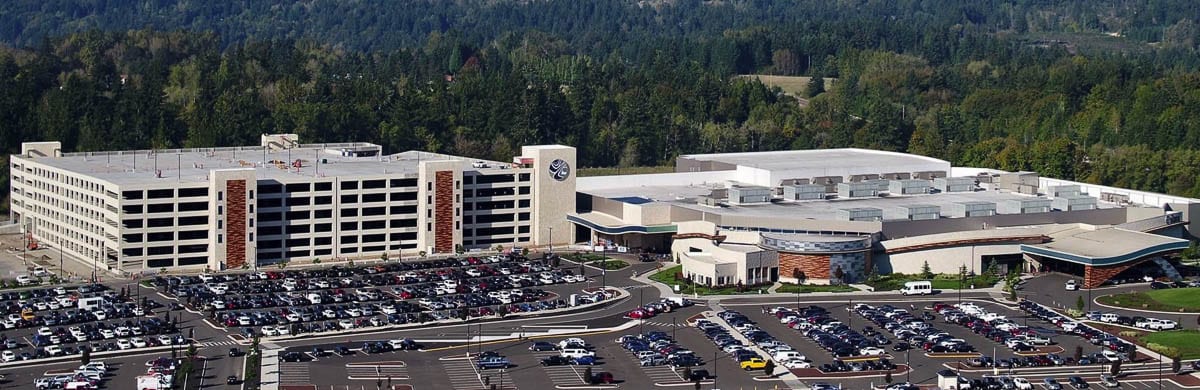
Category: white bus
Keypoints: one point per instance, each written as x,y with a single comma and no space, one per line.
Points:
923,287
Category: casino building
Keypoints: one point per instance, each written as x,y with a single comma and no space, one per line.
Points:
831,215
240,207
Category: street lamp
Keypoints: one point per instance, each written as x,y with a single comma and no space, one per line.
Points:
674,326
908,362
550,242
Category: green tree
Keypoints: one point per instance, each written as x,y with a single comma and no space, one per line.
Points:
815,86
926,272
769,368
85,356
1079,304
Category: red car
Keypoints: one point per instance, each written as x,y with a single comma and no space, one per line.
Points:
639,314
602,377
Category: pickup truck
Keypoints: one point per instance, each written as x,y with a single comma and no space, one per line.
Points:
493,362
754,364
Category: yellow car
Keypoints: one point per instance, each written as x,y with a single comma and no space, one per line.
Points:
754,364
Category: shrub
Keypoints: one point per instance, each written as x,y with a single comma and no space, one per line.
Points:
1129,333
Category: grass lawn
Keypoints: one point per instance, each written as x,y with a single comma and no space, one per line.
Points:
794,85
939,282
1188,341
585,257
668,277
1172,299
610,264
811,288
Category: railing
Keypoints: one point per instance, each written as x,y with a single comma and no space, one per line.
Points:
1153,223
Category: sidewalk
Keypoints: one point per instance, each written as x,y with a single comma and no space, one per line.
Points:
666,291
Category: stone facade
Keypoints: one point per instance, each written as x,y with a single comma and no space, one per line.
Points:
235,249
443,212
814,266
1094,276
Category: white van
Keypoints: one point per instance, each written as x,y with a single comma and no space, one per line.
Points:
90,303
783,356
1109,317
923,287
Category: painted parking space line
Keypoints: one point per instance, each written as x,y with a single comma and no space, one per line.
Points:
293,373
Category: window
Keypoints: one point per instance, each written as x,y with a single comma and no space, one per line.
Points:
298,215
322,240
348,250
523,177
220,224
270,188
322,252
323,227
220,210
403,223
402,196
159,222
523,190
220,238
270,244
132,238
270,217
322,200
159,250
297,229
373,184
160,194
193,234
270,230
189,221
522,229
372,238
131,252
374,211
349,239
295,242
349,213
350,185
161,208
367,198
193,191
131,195
220,195
323,186
429,186
251,222
132,209
322,214
397,210
160,236
193,248
160,263
299,253
468,179
192,260
251,194
403,236
349,198
300,201
193,206
297,187
400,183
374,225
349,226
270,202
523,203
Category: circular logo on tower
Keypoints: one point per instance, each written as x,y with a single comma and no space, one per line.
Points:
559,169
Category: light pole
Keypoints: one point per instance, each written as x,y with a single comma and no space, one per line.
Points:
674,326
551,240
604,271
908,362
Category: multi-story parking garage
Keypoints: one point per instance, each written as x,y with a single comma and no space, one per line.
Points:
228,208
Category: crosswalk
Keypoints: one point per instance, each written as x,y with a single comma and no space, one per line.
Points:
666,325
569,375
294,373
219,343
464,375
393,370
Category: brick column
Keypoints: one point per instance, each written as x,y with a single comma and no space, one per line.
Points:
235,224
443,212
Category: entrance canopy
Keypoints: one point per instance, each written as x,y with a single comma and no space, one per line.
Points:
1096,246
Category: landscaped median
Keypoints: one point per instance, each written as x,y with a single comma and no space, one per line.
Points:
595,260
673,276
790,288
938,281
1183,343
1175,300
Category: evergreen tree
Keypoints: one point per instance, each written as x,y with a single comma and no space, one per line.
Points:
816,86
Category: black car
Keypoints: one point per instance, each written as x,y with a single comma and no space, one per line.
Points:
292,357
1078,382
555,360
699,375
234,352
342,350
542,346
901,346
1159,285
231,380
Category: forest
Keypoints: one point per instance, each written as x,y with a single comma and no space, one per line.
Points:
1099,91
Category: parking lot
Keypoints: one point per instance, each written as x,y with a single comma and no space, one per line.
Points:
925,365
448,367
272,303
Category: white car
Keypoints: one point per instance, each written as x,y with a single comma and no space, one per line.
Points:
871,351
107,333
24,279
269,331
1022,384
124,344
54,350
1069,326
100,315
346,324
1110,355
100,366
1072,286
44,331
8,356
123,331
138,342
283,330
796,363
